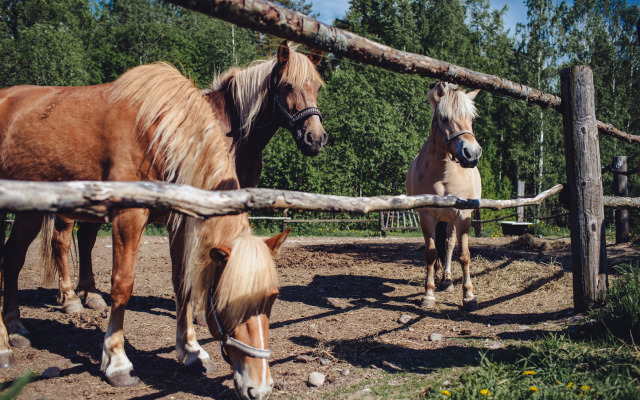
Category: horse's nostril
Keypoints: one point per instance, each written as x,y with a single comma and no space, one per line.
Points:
325,138
308,138
466,153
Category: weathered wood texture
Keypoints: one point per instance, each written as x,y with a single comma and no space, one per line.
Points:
586,212
519,195
97,198
270,18
620,189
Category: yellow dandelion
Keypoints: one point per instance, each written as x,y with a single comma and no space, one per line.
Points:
533,389
446,393
529,373
485,392
569,385
585,388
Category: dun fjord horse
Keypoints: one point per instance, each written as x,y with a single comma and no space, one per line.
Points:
153,124
446,165
250,110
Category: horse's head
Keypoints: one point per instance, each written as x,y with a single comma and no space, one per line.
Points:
453,113
239,307
295,106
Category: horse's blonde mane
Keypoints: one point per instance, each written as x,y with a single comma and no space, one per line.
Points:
246,281
186,135
454,104
249,86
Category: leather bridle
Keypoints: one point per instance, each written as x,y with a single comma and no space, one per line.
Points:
227,340
448,139
282,117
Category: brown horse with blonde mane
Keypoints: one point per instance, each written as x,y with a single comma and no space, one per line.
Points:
249,112
153,124
446,165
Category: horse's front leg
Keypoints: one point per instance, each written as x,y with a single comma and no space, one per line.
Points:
469,301
86,289
428,225
61,243
190,353
447,282
128,227
24,231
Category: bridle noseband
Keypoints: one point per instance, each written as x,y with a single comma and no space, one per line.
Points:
228,341
282,117
448,139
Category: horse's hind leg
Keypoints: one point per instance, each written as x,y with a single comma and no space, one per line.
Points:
61,243
6,354
447,283
87,233
428,226
189,350
25,229
469,301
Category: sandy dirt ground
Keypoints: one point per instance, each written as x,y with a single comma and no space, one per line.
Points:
338,314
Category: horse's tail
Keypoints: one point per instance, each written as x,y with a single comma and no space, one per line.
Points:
46,250
441,244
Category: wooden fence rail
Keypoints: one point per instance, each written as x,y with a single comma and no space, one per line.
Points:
98,198
270,18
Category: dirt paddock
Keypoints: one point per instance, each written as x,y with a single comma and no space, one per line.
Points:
338,314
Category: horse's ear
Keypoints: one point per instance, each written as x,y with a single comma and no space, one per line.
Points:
472,95
283,53
437,89
315,56
275,242
220,254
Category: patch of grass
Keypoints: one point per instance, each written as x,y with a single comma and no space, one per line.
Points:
552,368
620,314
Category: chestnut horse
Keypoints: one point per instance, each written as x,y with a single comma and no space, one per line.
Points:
153,124
446,165
250,112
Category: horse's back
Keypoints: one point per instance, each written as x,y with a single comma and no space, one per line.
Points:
59,133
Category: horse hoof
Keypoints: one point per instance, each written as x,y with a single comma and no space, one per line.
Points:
470,305
7,360
95,301
428,303
447,286
19,341
123,379
199,366
73,307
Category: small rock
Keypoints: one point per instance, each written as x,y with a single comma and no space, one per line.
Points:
410,329
313,326
324,361
435,337
344,372
494,345
51,372
316,379
405,319
523,327
304,358
446,383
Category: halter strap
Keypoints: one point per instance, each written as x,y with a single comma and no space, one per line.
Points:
227,340
448,139
282,117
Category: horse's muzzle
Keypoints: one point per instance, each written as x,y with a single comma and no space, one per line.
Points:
468,156
310,143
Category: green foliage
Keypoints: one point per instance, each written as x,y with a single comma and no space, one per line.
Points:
17,386
620,314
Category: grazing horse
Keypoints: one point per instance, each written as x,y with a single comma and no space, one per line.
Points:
446,165
249,111
153,124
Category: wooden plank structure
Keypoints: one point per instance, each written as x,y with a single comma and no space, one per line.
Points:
620,188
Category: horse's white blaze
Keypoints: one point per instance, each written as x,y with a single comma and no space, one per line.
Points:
264,362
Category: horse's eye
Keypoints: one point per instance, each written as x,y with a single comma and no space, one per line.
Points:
444,120
288,87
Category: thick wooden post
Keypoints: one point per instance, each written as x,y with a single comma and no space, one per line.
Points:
284,220
383,225
620,189
586,213
520,194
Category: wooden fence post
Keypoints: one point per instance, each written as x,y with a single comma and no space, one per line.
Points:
477,226
520,194
586,213
284,221
620,189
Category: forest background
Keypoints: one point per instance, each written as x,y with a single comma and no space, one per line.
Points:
377,120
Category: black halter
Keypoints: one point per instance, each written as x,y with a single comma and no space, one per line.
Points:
281,116
448,139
